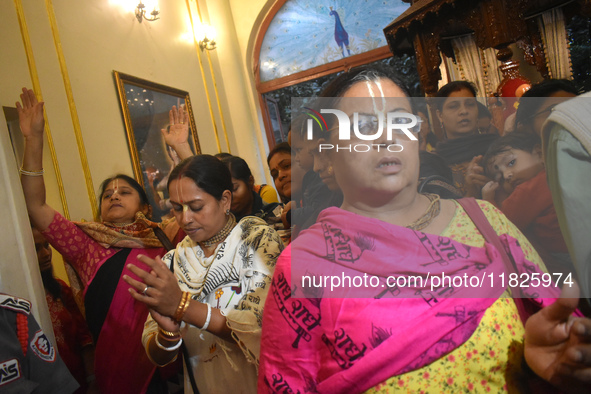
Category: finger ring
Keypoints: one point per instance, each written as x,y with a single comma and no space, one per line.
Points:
146,289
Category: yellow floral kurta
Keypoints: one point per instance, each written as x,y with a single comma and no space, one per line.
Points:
490,361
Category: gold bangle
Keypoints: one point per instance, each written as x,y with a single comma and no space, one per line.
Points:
31,173
169,335
181,309
185,307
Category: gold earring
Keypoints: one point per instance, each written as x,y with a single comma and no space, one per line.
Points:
330,171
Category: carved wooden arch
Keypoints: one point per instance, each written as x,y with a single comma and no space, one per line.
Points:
495,24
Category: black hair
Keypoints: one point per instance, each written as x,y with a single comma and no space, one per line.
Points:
452,87
282,147
343,82
222,155
208,173
238,168
131,181
546,88
433,164
51,284
298,125
515,140
420,105
430,137
339,85
436,177
483,112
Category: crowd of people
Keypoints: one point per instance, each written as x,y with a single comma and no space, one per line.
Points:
218,290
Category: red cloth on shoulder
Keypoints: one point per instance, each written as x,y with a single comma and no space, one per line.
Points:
531,209
71,332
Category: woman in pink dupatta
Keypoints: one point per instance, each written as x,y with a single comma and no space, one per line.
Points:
99,252
354,306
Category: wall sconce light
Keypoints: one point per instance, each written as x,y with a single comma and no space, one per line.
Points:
206,36
140,13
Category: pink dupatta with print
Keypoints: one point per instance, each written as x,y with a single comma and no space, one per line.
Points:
349,339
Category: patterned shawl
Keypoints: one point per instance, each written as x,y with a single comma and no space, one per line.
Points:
139,234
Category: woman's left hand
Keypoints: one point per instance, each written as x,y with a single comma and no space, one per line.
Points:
475,178
558,345
165,322
162,294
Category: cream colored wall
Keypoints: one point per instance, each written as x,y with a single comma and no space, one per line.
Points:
247,17
100,37
237,87
94,39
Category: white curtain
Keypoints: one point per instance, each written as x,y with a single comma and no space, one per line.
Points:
443,69
554,38
449,71
490,64
469,64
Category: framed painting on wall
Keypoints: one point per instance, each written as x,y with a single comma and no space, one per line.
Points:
145,106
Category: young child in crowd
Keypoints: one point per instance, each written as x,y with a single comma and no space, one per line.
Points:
520,189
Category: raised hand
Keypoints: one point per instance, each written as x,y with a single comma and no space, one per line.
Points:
30,114
558,345
31,121
152,173
178,131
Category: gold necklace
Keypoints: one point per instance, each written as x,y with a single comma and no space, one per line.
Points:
222,234
430,214
120,224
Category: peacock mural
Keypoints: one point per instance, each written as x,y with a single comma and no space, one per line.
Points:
340,34
309,33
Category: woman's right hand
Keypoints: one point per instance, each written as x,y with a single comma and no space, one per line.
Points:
558,345
178,131
176,135
30,114
157,288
